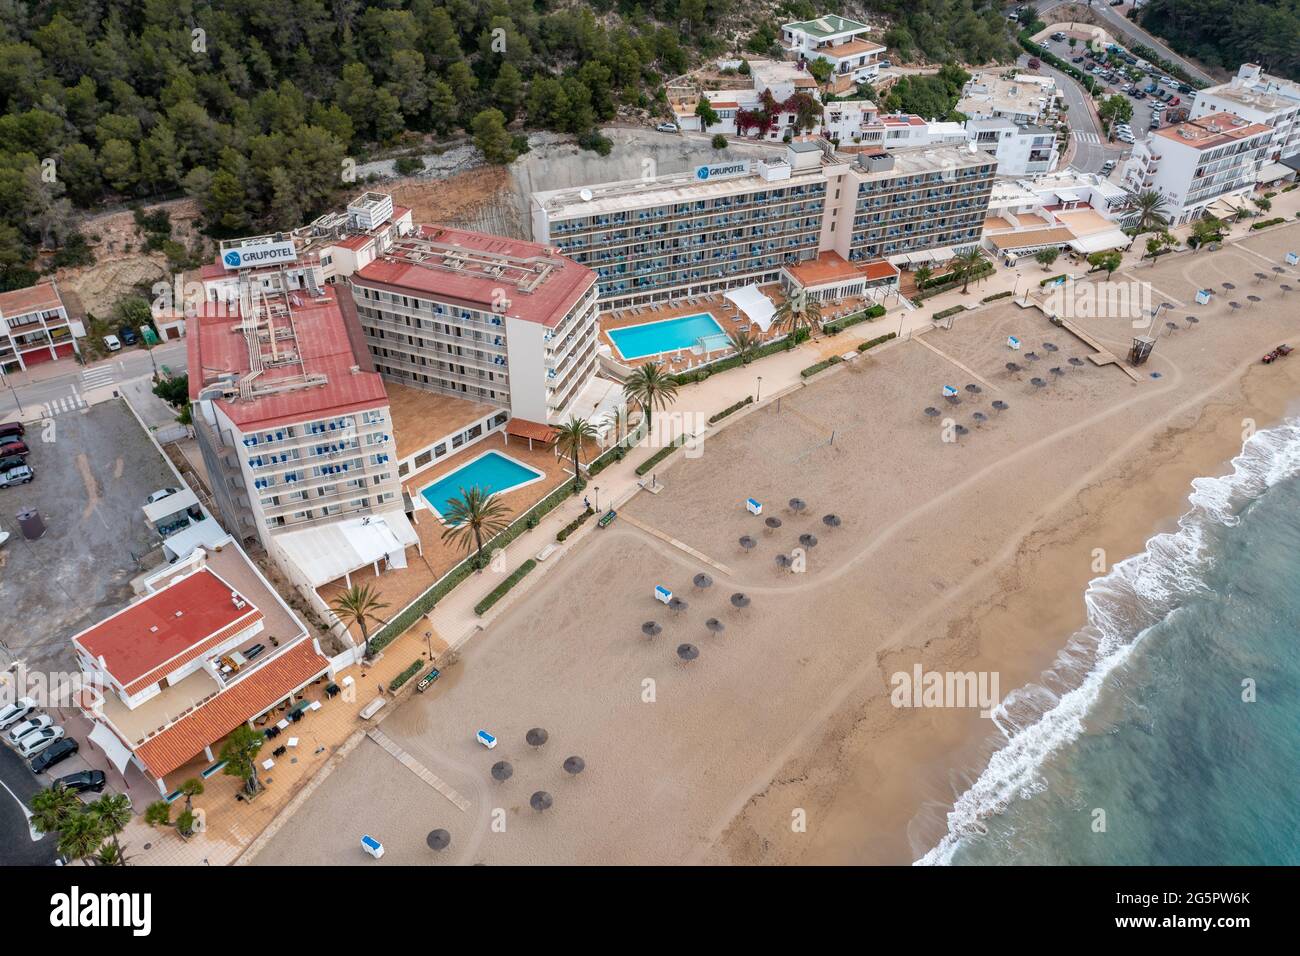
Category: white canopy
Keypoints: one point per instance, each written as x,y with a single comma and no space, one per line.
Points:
181,501
1098,241
201,534
757,306
330,551
1272,172
114,749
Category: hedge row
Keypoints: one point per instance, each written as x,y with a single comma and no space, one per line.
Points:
406,675
1173,69
995,296
878,340
1267,222
700,374
947,312
563,534
865,315
812,370
948,281
499,591
660,455
447,583
719,416
1054,278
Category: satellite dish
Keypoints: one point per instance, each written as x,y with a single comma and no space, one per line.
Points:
585,194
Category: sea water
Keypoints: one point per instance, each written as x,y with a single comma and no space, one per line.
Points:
1168,729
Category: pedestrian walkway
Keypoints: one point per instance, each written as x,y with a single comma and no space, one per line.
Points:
98,376
70,403
1086,136
419,769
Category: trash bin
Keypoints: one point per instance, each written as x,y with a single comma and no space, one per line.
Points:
32,523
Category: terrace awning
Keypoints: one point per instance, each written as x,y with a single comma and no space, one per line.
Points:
757,306
332,551
1272,172
1099,241
116,751
183,500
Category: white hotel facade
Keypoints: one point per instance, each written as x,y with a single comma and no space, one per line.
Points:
738,223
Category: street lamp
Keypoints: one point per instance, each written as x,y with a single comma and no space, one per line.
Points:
14,392
759,396
597,490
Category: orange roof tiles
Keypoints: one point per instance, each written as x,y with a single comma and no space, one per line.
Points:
878,269
38,298
827,267
523,428
169,628
245,699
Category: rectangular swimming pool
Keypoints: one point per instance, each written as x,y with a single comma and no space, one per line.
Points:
666,335
491,471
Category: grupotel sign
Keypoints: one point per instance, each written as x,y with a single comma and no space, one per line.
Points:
721,170
261,254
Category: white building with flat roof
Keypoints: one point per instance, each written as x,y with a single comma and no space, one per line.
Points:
1260,98
839,41
1022,149
1023,98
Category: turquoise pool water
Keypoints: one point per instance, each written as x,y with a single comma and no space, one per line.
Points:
669,335
492,472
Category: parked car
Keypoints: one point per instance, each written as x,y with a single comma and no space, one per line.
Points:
1184,89
16,711
1175,101
1107,166
1058,36
1077,59
885,64
667,127
84,780
13,461
16,476
127,335
34,743
10,449
54,754
160,494
111,343
30,726
12,430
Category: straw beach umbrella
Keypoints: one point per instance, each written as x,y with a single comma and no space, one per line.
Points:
677,605
652,629
541,800
747,543
1031,356
740,601
962,430
980,418
1076,361
973,388
808,540
932,412
574,765
536,737
1252,299
1191,320
438,840
832,521
502,771
772,523
1037,382
702,581
715,626
1234,306
1014,368
687,652
1051,346
783,561
1000,406
797,505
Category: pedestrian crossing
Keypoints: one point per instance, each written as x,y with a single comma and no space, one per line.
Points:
97,377
1084,136
60,406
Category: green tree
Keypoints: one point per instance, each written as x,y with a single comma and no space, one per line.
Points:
471,517
81,836
744,344
651,388
492,138
1046,257
1110,260
719,141
966,264
191,788
359,605
53,807
112,812
708,116
1145,211
158,814
572,435
239,752
508,91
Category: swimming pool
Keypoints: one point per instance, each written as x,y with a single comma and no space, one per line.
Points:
666,335
491,471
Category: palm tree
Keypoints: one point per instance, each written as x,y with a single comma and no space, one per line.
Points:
650,387
744,344
964,265
1146,211
158,814
240,755
113,813
81,836
110,854
357,605
798,312
922,275
572,436
471,516
53,807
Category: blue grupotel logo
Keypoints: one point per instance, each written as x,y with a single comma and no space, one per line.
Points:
702,172
232,258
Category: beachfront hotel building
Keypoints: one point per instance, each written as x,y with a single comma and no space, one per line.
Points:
35,327
1204,166
740,223
1260,98
295,430
498,321
207,645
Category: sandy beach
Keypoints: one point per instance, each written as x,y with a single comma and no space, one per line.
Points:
960,555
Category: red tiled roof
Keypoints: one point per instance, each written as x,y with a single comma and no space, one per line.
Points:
245,699
878,269
171,627
38,298
327,344
357,241
852,48
827,267
547,304
523,428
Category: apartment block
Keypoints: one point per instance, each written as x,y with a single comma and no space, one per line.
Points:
1022,98
839,41
296,432
35,327
496,321
1204,165
1259,97
1022,149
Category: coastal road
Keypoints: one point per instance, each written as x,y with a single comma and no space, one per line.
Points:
58,385
1122,28
17,786
1090,147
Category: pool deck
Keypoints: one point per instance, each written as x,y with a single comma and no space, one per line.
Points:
723,312
421,417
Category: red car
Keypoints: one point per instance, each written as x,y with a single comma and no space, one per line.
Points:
14,448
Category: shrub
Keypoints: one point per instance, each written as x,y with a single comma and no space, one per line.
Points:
1264,224
500,590
995,296
594,141
406,675
660,455
719,141
821,366
865,315
409,165
699,375
878,340
1055,278
719,416
947,312
563,534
